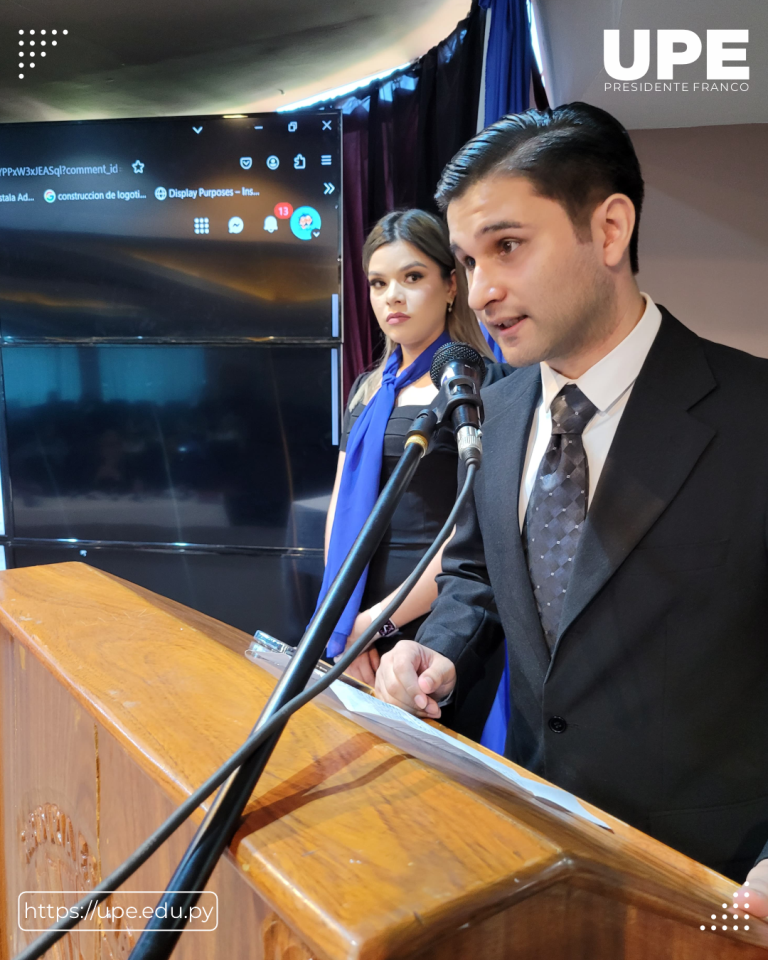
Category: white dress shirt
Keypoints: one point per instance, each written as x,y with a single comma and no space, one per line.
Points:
607,385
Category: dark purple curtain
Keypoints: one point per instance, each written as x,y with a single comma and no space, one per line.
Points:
398,135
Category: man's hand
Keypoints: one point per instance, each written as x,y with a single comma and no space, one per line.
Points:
365,666
752,898
415,678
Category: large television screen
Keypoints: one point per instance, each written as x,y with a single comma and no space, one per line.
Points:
165,228
171,443
170,338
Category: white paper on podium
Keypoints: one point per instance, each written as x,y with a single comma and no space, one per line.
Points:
425,742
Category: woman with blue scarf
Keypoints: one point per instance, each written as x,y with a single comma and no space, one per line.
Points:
419,300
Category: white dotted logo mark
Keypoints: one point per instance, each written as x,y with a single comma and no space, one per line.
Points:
735,907
26,57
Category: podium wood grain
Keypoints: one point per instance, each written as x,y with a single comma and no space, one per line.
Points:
117,703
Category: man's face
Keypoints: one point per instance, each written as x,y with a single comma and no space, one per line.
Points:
543,292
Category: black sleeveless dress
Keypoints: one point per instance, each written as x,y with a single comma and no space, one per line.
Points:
423,509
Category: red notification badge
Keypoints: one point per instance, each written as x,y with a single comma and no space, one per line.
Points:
283,211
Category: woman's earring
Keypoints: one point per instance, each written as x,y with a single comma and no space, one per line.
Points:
450,306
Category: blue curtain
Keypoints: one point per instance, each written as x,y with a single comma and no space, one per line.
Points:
508,60
508,70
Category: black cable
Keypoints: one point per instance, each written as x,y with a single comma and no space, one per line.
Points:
224,816
80,910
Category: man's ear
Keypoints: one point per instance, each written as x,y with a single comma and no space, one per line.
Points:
612,225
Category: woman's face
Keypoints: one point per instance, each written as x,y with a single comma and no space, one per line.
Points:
409,295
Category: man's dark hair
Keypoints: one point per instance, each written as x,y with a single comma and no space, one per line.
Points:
576,154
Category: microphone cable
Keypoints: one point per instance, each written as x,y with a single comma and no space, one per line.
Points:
81,910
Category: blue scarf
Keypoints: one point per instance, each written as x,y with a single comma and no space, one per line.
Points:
495,348
361,477
495,731
494,734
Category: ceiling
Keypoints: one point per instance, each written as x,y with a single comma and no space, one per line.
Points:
123,58
127,58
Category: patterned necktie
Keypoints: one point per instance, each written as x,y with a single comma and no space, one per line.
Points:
558,507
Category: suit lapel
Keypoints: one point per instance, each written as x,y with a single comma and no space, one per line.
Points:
505,438
656,446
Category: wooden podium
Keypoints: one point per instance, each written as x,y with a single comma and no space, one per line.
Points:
117,703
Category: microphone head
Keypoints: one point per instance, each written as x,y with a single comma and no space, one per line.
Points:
458,355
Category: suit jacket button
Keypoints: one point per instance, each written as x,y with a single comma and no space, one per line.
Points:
557,725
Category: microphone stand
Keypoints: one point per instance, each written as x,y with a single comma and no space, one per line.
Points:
161,933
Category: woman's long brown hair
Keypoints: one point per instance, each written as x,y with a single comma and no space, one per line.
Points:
429,235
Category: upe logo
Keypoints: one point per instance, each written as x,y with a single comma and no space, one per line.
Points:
677,48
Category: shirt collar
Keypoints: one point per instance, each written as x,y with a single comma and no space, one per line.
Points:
612,376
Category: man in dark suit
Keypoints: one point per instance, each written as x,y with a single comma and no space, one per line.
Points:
619,528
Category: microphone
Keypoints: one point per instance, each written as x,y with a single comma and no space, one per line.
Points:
458,371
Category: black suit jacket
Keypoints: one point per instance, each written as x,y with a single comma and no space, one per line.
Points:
654,705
